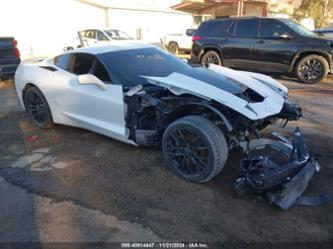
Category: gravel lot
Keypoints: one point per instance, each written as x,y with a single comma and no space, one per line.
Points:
68,184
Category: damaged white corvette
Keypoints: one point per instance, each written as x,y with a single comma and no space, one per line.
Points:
142,95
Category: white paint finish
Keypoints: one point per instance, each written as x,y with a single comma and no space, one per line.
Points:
74,104
103,110
246,79
87,106
275,85
179,84
90,79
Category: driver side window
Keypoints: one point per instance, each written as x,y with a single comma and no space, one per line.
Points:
89,64
82,64
271,29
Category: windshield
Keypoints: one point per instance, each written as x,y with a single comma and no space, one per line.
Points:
299,29
118,35
130,65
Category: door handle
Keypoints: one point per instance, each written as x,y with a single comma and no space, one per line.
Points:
260,41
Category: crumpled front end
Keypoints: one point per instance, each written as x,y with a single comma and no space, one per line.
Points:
242,115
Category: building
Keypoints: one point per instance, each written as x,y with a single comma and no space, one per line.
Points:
205,9
45,27
148,20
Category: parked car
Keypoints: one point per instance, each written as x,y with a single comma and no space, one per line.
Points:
142,95
325,32
93,36
175,43
90,37
9,57
264,44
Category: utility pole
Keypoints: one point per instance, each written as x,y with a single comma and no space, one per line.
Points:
240,8
325,8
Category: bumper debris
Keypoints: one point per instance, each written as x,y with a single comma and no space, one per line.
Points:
282,184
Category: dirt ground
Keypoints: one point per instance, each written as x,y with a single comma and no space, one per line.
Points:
69,184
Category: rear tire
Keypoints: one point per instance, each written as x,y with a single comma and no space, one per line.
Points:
173,48
312,69
37,107
194,148
210,57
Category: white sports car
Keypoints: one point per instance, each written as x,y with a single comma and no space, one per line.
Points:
142,95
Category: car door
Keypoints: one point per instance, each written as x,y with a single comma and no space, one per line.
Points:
88,106
240,42
275,47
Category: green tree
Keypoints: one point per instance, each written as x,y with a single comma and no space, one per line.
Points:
320,10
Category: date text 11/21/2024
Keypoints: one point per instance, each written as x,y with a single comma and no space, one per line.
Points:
164,245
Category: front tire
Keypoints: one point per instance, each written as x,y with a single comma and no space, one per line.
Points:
210,57
312,69
37,107
194,148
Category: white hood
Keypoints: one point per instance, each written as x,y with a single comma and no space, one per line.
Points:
273,92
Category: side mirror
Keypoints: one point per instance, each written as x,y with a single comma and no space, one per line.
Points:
285,36
90,79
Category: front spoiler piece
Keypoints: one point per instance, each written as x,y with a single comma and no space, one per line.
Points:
283,184
295,187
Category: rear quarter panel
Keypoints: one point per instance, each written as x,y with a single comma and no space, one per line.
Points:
32,74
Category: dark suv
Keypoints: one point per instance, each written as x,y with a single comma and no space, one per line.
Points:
263,44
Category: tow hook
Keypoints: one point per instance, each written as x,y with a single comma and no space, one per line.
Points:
282,184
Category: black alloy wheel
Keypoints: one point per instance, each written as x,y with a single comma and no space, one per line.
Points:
194,148
189,152
312,69
37,107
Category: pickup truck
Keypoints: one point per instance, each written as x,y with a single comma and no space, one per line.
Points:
9,57
176,43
